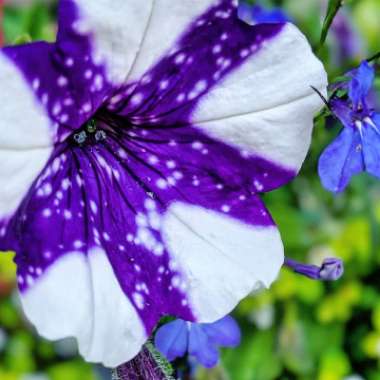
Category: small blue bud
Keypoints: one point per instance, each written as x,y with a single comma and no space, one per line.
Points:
331,270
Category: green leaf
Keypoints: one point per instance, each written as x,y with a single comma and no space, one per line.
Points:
332,11
73,370
256,358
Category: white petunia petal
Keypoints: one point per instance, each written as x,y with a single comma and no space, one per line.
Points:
89,305
267,105
168,22
118,28
222,258
25,137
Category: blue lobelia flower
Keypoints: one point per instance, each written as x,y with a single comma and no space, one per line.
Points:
257,14
133,153
357,148
200,340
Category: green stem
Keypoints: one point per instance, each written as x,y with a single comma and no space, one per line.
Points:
374,57
332,11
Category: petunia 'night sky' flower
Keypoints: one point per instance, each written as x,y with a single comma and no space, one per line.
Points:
179,337
357,148
257,14
133,151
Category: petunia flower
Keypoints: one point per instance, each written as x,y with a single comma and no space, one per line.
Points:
357,147
133,151
201,341
257,14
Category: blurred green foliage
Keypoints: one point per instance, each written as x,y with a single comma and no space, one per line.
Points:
299,329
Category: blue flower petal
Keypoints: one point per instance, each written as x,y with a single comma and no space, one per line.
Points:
245,12
172,339
361,83
256,14
342,159
371,146
264,16
376,119
342,111
225,332
201,347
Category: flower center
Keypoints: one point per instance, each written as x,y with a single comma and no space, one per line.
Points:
89,134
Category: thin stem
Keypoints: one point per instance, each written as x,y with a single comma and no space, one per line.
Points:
332,11
1,23
374,57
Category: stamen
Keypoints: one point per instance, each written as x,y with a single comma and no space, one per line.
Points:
100,136
80,138
331,270
89,134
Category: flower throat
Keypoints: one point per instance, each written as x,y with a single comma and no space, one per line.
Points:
89,134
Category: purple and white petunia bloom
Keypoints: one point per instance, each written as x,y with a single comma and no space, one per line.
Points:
200,340
357,147
133,152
